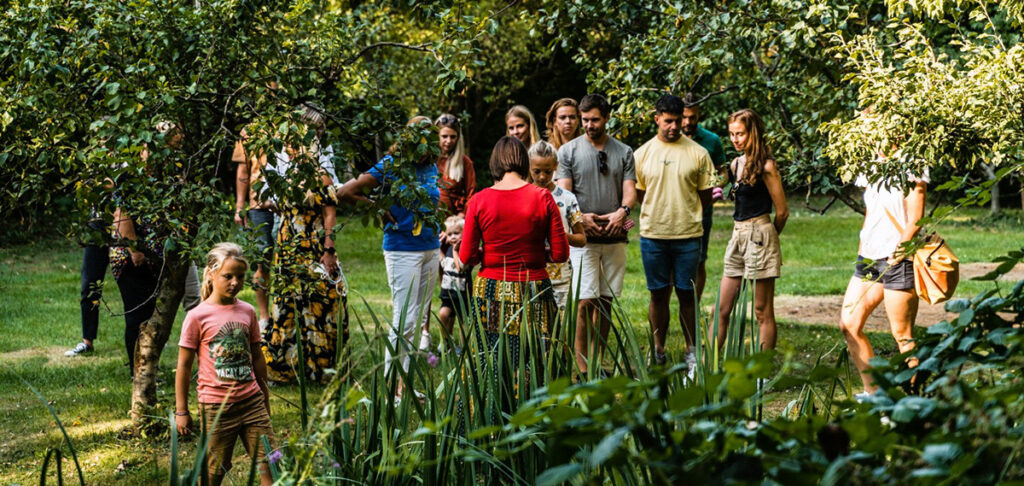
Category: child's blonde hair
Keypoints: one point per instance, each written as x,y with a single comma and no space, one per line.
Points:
216,258
454,221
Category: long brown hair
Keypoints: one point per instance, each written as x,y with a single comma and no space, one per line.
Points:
756,151
553,135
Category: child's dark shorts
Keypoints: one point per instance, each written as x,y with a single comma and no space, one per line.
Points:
895,277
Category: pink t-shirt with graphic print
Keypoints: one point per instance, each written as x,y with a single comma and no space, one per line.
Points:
222,337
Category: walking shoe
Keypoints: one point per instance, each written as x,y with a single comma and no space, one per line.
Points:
424,340
79,349
691,365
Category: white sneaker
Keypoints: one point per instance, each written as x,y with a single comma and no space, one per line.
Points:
424,340
691,365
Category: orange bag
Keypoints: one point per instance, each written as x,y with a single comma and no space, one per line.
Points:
936,268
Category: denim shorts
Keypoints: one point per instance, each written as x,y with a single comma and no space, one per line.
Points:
670,261
896,277
262,223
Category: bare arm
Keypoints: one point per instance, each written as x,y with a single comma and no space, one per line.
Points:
578,238
915,211
241,183
259,368
354,190
773,180
705,198
565,183
125,228
182,383
618,217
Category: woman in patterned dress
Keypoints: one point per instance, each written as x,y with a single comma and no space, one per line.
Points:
308,299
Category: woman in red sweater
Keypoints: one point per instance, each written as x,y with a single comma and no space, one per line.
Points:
513,229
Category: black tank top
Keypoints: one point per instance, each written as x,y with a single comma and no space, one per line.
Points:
752,200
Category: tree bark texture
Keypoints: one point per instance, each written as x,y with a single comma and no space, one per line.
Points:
990,173
154,333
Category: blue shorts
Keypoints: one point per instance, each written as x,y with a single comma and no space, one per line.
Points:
670,261
709,213
261,222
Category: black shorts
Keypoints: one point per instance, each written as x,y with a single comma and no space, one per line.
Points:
454,299
896,277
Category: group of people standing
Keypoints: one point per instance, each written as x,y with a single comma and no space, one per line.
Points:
554,225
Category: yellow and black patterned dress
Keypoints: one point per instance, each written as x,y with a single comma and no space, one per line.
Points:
307,303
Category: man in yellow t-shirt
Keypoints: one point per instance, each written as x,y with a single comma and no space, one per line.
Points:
674,181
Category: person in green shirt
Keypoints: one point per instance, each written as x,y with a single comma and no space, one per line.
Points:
707,139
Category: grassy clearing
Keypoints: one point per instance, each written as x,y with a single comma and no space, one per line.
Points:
41,320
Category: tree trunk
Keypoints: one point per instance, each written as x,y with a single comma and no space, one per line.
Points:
990,172
153,335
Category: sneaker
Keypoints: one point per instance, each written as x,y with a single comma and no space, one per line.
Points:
79,350
691,365
660,358
424,340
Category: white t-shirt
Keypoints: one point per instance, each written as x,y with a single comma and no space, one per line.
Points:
879,237
283,164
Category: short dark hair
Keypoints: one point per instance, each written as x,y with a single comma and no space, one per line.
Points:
594,100
669,104
509,155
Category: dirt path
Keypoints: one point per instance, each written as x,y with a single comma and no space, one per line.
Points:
824,309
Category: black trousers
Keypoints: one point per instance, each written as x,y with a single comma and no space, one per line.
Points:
138,293
94,267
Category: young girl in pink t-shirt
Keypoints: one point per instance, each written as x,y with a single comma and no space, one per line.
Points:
224,334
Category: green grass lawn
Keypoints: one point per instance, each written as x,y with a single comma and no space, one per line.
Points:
40,320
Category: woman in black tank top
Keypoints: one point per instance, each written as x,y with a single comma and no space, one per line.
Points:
753,252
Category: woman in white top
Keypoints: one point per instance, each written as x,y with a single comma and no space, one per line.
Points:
883,273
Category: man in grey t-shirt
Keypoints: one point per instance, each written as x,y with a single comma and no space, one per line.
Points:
598,169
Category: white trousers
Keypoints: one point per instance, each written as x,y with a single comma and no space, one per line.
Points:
411,276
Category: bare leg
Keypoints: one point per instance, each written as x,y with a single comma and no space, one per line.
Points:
585,317
262,279
901,308
657,314
861,298
446,316
764,310
687,316
726,300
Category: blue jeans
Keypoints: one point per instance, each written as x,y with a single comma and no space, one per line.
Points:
670,261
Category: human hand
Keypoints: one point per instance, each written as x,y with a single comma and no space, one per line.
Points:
183,423
138,258
590,225
330,262
716,194
240,217
615,220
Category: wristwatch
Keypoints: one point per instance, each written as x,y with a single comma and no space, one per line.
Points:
626,208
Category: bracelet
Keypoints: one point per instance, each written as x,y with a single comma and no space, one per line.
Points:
181,414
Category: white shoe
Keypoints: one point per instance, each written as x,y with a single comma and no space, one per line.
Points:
691,365
424,340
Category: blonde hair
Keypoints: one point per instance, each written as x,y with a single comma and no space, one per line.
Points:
756,151
542,150
520,111
454,221
215,259
455,167
553,135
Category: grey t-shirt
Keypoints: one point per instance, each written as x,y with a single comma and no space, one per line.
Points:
596,192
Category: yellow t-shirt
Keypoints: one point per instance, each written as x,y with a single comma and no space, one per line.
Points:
671,174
